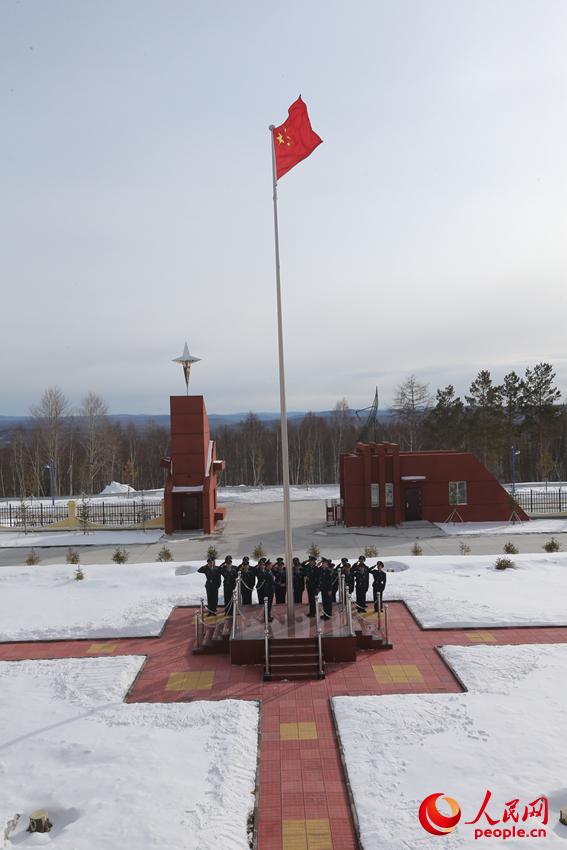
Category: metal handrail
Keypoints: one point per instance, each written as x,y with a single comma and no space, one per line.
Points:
319,641
386,624
200,626
350,630
266,639
235,607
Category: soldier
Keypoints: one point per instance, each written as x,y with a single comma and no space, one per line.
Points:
298,582
280,578
362,582
212,583
335,574
311,574
247,580
378,584
260,580
326,582
229,574
348,574
269,586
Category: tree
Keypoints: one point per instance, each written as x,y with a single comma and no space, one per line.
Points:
511,392
50,415
485,419
445,423
411,402
93,412
541,414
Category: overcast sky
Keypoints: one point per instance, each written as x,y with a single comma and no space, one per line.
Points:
427,235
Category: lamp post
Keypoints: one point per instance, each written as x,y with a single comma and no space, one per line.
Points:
186,359
515,452
51,467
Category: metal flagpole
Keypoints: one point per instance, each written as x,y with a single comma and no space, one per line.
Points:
283,411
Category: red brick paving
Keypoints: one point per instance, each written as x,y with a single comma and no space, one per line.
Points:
299,780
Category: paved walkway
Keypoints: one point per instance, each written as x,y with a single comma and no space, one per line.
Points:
303,801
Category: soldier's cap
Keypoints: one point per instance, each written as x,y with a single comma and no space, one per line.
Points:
262,561
210,560
296,561
279,560
344,561
311,558
245,559
362,558
228,558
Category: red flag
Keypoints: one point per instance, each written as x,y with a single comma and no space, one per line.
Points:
294,140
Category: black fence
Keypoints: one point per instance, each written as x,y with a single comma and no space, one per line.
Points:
30,515
542,501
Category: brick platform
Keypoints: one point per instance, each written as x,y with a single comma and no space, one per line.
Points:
303,798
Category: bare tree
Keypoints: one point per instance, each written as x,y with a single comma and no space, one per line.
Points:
93,412
411,402
50,417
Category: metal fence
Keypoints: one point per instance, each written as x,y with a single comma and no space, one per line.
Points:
542,501
30,515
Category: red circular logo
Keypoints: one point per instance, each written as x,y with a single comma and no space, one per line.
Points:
433,821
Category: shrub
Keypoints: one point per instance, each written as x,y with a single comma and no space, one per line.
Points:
72,556
416,549
503,563
552,545
464,548
314,550
212,552
258,552
510,549
164,554
120,555
79,574
370,551
32,559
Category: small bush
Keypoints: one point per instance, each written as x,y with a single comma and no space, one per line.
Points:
72,556
464,548
258,552
503,564
120,555
212,552
32,559
79,574
552,545
314,550
164,554
510,549
416,549
370,551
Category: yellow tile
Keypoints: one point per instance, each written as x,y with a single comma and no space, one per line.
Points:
197,681
97,648
307,731
481,637
294,835
289,732
382,673
412,672
318,834
398,674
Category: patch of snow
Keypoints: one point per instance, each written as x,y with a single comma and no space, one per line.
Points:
534,526
504,735
115,487
113,775
258,495
17,539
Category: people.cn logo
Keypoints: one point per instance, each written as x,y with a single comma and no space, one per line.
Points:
433,821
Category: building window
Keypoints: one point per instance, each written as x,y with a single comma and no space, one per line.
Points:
389,493
375,495
457,492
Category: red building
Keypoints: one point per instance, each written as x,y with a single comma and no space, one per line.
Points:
380,485
190,495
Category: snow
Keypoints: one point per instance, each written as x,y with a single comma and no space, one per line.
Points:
17,539
133,600
257,495
504,735
115,487
534,526
112,775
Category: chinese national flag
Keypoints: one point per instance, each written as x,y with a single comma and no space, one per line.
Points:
294,140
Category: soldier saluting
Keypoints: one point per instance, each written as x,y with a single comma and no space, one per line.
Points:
247,580
213,580
378,584
362,582
327,582
229,574
311,574
298,582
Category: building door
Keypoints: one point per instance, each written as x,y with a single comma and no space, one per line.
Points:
190,512
413,503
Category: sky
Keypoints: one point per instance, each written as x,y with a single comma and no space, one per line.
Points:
425,236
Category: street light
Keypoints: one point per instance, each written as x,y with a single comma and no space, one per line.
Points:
515,452
51,467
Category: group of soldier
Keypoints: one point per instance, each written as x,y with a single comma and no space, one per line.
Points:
269,579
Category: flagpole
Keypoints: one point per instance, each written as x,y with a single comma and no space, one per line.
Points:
283,411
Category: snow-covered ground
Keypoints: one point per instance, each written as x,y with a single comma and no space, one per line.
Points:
257,495
145,776
534,526
19,540
505,736
132,600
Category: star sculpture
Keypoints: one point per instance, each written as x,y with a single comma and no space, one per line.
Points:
186,361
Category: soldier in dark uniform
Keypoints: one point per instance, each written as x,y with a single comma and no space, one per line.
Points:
261,580
229,574
280,577
335,574
362,582
212,583
378,584
247,581
298,582
269,587
326,582
311,574
348,574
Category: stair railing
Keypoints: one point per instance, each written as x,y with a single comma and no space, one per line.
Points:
235,607
320,670
266,641
200,625
350,630
386,624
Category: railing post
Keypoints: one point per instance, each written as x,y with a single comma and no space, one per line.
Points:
266,642
202,622
386,638
349,614
320,671
234,612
